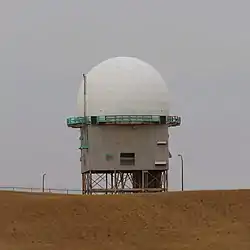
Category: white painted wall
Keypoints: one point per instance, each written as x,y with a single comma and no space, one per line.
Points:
141,140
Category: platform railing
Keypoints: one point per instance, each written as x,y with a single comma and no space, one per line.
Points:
76,121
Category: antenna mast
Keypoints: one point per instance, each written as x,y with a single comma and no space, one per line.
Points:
84,139
85,93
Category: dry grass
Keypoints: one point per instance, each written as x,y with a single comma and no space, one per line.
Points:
214,220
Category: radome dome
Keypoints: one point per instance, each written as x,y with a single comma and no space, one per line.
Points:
124,86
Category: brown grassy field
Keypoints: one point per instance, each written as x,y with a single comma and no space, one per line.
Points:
214,220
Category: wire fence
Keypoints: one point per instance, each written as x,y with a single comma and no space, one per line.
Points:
40,190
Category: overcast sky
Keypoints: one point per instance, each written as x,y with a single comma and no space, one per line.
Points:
201,48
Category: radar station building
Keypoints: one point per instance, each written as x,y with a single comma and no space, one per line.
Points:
123,118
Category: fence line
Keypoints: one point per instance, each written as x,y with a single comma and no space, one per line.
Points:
39,190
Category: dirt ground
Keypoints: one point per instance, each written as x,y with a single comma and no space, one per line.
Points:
214,220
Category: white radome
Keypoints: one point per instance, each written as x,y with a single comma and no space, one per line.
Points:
124,86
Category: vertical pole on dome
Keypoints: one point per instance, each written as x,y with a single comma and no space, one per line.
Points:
85,93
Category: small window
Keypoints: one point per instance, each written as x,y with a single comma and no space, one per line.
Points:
127,159
161,142
160,163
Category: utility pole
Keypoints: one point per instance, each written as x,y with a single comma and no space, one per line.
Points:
182,172
43,181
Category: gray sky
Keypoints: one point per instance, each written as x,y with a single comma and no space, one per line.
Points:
201,48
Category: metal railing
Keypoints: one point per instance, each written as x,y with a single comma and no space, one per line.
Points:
40,190
76,191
